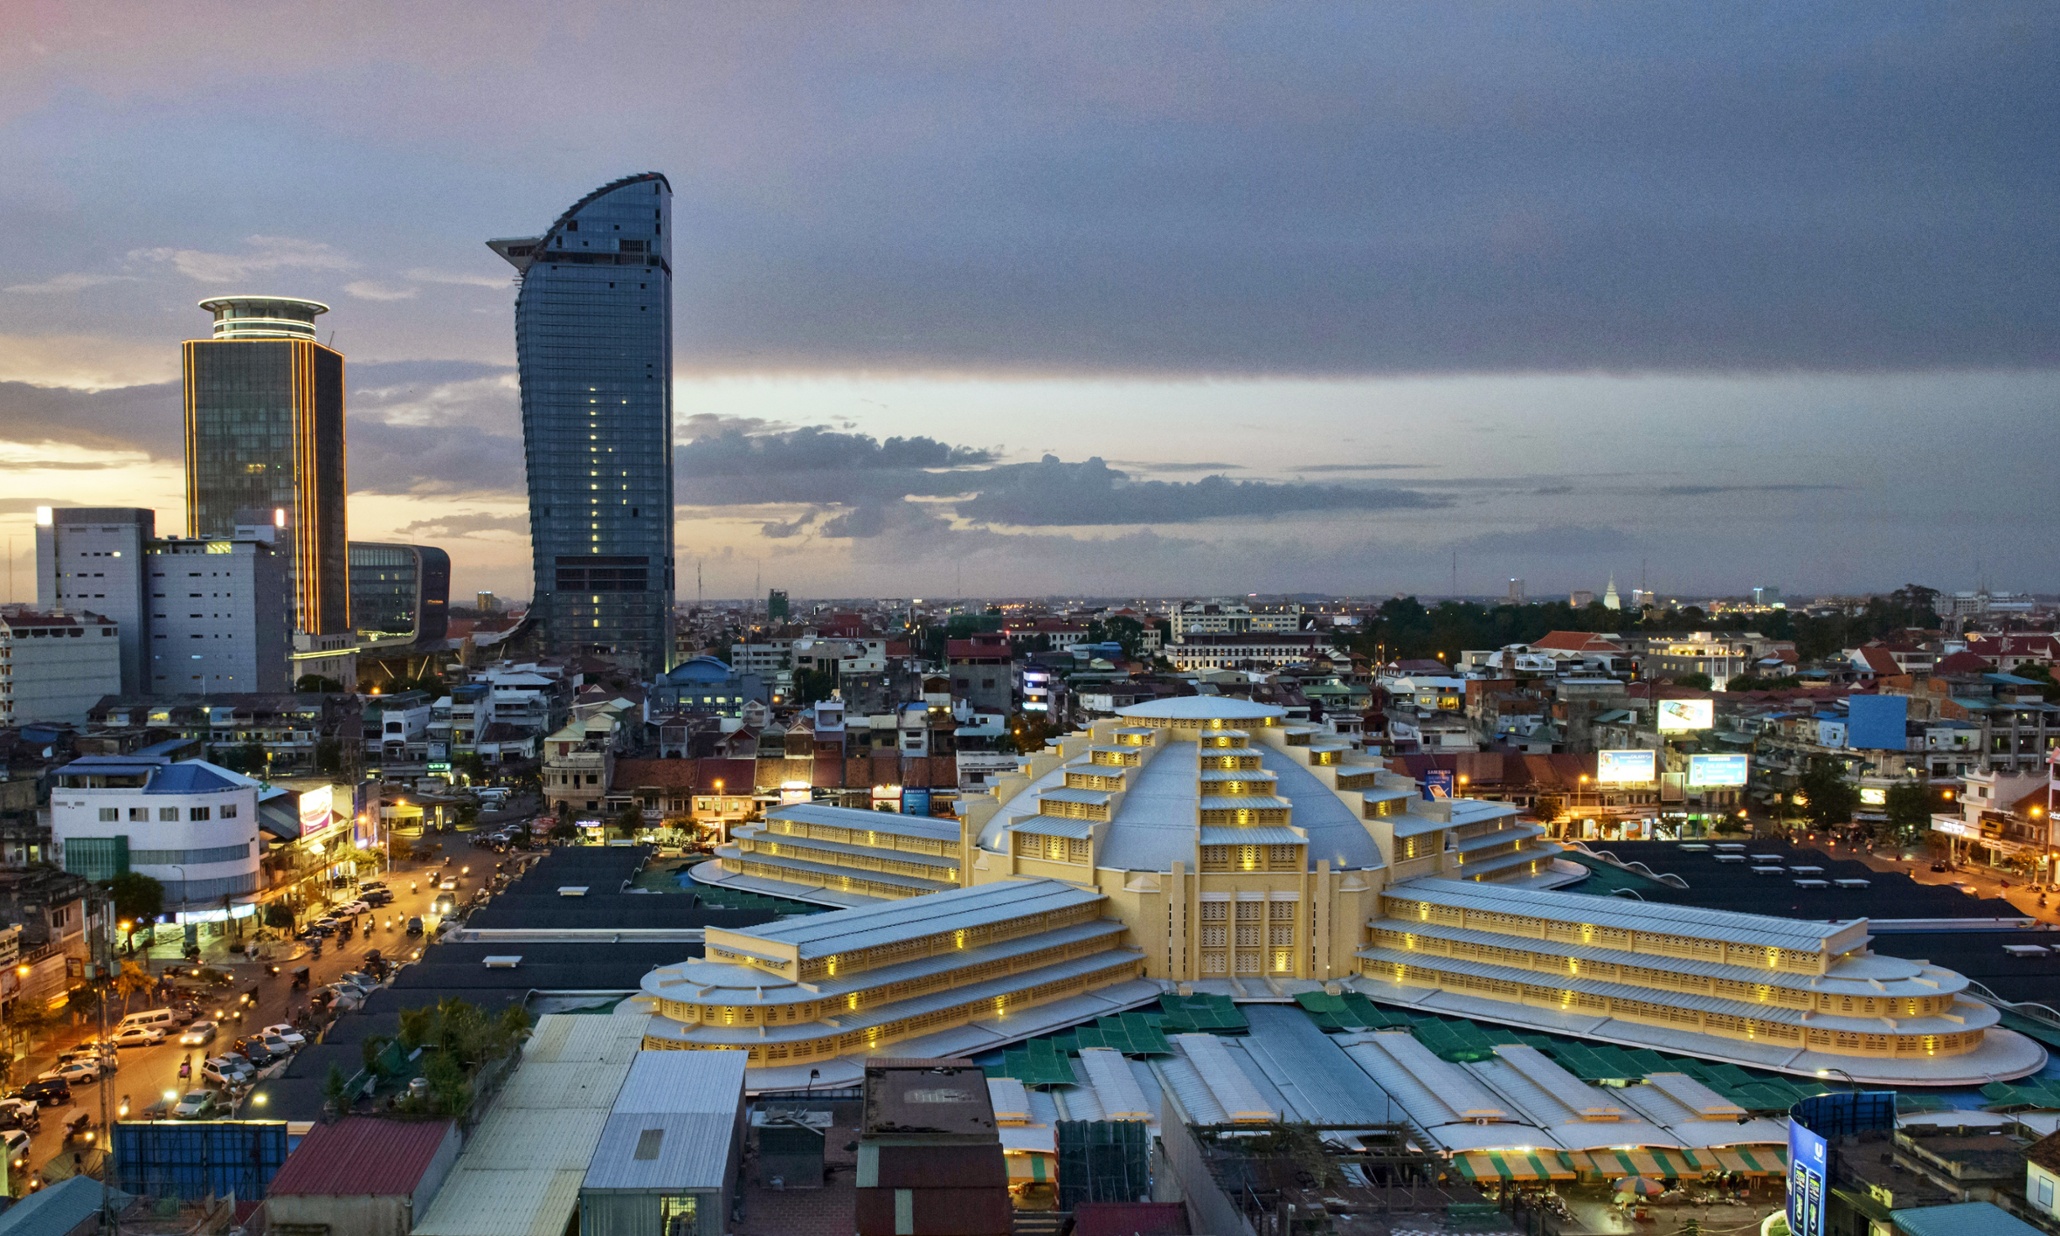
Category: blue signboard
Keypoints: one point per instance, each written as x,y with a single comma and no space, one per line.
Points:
1437,784
915,801
1716,771
1807,1172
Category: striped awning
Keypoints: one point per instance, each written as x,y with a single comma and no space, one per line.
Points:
1487,1166
1752,1160
1656,1163
1030,1168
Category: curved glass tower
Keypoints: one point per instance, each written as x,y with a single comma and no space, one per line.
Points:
593,342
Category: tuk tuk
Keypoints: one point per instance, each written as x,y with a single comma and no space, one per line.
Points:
78,1127
300,978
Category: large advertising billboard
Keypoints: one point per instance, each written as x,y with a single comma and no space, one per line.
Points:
1626,767
1716,771
1680,716
1806,1173
1437,783
317,809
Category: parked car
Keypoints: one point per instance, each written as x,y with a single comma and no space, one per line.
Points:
279,1047
223,1071
47,1092
20,1114
293,1037
139,1036
101,1055
379,897
17,1143
77,1072
197,1105
255,1051
199,1034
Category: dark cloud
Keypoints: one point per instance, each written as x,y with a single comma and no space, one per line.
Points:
432,459
866,479
1053,493
1358,467
127,418
1558,540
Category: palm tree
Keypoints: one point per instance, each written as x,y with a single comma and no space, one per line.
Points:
133,977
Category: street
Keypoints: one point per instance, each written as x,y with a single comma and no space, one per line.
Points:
148,1074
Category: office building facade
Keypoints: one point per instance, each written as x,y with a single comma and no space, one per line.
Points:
90,560
265,433
593,340
400,591
220,615
190,825
55,667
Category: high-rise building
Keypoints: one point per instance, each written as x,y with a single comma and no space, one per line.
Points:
593,343
264,432
89,559
400,590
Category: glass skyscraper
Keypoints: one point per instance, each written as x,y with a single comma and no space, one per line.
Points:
264,434
593,342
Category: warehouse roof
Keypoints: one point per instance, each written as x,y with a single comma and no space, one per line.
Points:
674,1123
844,931
361,1156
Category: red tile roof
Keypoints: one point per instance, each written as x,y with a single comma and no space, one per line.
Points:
1961,663
1577,641
361,1156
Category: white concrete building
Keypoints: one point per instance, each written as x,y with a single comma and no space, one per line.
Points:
190,825
1217,618
91,560
54,667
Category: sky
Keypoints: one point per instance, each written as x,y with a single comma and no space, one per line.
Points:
1131,300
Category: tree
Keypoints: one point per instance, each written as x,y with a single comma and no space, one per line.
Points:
1909,808
469,765
336,1089
564,830
1696,682
1025,734
812,685
628,822
466,815
317,684
280,915
328,755
132,979
138,899
1825,796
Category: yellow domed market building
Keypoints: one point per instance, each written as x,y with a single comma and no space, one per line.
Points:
1204,844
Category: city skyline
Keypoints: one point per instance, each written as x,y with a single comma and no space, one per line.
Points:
1433,279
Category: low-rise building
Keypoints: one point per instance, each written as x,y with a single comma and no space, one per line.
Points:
188,824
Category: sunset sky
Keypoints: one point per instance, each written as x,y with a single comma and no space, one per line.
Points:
1177,299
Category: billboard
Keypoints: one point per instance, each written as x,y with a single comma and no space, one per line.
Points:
915,800
1680,716
317,809
1807,1170
1716,771
1626,767
1437,783
1877,722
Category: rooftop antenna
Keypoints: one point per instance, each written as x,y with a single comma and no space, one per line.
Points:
697,583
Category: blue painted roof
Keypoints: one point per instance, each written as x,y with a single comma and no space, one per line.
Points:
194,777
57,1210
1960,1219
698,669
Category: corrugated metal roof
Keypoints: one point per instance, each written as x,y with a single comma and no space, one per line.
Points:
1116,1091
1311,1072
1200,708
684,1082
1235,1093
520,1173
1053,826
662,1150
1230,835
868,821
361,1155
59,1209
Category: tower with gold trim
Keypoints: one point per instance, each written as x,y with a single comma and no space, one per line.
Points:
265,441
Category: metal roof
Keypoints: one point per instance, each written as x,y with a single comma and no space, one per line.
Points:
1229,834
683,1083
1235,1093
664,1151
1936,983
868,821
1960,1219
1200,708
1657,918
1115,1086
1310,1070
844,931
361,1156
1053,826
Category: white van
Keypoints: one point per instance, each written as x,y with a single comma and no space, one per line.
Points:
161,1019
